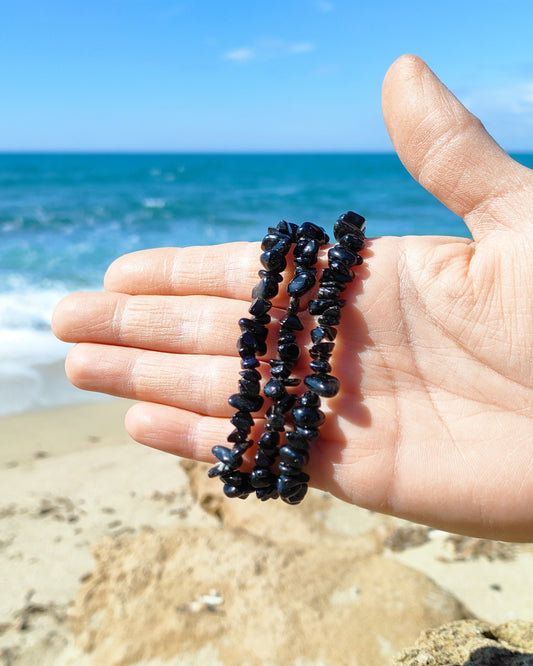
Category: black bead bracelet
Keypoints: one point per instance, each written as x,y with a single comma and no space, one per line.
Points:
288,481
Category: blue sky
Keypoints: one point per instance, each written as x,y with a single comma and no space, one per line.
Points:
263,75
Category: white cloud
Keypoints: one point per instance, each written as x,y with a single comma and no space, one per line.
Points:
243,54
515,99
268,49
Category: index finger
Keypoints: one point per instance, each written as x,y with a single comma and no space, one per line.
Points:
228,270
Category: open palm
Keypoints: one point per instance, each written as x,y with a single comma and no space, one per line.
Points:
434,421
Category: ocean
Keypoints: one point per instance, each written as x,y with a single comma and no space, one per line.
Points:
64,218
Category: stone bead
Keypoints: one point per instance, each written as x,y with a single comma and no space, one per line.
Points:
243,421
246,403
322,350
253,327
329,291
329,275
331,317
264,459
286,403
259,307
310,399
266,288
348,223
274,389
320,366
318,305
297,442
275,420
249,387
232,491
300,284
237,436
292,457
309,417
286,337
267,493
353,242
311,434
296,495
289,352
279,369
310,250
262,478
341,268
312,231
291,381
269,440
292,322
333,284
288,229
273,260
227,456
292,480
323,333
271,275
249,362
250,375
270,240
326,386
345,256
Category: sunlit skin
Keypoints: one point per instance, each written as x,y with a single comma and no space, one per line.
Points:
434,420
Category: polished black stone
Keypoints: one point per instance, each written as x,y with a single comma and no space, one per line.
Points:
293,457
291,381
247,387
310,399
295,496
227,456
273,260
292,480
339,253
329,275
289,352
264,459
309,251
335,284
288,229
292,322
322,350
274,389
312,231
330,319
248,362
318,305
286,403
280,369
285,336
348,223
266,288
267,493
246,403
250,375
320,366
329,291
300,284
297,442
243,421
262,478
342,269
269,440
308,417
270,240
325,386
275,420
323,333
311,434
238,435
353,242
271,275
259,307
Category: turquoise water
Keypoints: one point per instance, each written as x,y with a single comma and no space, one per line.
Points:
64,218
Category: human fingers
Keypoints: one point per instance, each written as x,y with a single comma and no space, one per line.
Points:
228,270
197,383
179,324
450,153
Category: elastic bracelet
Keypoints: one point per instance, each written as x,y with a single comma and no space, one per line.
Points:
290,483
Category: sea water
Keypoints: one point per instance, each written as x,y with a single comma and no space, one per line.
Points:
64,218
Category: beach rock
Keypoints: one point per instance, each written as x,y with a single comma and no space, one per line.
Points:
166,594
473,643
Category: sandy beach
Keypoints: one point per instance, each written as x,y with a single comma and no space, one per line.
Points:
115,554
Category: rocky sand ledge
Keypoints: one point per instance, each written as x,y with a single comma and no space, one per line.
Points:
113,554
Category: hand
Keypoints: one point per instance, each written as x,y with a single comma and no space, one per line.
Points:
434,420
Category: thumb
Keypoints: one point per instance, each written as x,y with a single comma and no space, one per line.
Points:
450,153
